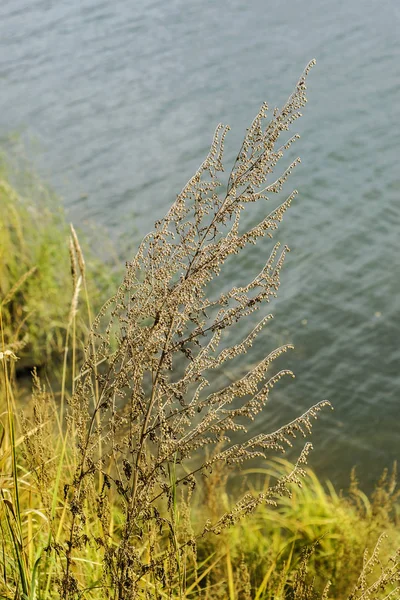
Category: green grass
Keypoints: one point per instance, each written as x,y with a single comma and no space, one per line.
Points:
35,279
339,527
258,558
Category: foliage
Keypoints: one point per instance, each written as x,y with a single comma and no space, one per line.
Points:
333,530
35,284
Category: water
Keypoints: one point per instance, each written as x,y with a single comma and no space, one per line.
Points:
116,104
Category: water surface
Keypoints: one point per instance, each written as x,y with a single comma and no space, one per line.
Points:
116,104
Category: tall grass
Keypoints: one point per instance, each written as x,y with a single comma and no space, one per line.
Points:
106,488
35,281
338,527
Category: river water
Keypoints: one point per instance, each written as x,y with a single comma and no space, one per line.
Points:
116,103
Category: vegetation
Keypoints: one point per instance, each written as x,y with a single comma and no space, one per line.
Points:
35,281
117,486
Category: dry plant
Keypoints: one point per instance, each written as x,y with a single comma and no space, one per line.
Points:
103,508
140,410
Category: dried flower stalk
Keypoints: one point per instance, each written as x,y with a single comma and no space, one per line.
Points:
153,347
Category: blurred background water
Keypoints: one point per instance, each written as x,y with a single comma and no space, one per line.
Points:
116,103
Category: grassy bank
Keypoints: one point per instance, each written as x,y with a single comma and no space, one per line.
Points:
35,270
312,538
